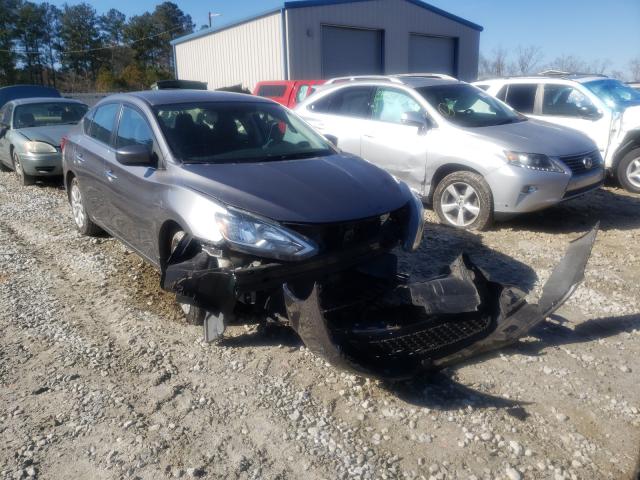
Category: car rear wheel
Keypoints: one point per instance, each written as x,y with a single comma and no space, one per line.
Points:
83,223
194,315
628,171
464,200
23,178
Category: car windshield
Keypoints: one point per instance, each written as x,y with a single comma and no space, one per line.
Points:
614,93
229,132
48,113
468,106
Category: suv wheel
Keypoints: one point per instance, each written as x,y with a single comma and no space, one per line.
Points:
628,171
83,223
194,315
464,200
23,178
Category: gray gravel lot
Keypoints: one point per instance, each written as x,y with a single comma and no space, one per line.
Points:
101,378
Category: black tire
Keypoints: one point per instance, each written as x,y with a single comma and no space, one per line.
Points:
81,218
472,196
193,315
628,171
23,178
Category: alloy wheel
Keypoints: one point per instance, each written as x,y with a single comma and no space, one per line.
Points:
17,166
460,204
633,172
79,214
179,235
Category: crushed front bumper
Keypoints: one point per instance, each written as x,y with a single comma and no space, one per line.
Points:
357,312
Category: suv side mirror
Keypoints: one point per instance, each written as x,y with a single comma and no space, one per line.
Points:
136,155
590,112
416,119
333,139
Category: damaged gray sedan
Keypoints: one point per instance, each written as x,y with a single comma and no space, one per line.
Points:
250,214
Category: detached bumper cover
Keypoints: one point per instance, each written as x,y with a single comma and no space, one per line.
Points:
421,326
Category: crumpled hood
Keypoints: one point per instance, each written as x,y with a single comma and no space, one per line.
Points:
535,136
51,134
328,189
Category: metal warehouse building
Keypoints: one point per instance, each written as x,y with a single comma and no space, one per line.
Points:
316,39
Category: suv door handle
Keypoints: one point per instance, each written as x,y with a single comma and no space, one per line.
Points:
79,157
110,175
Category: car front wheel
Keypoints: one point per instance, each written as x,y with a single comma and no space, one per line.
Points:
628,171
464,200
83,223
23,178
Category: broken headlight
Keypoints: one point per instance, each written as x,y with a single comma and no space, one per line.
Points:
256,236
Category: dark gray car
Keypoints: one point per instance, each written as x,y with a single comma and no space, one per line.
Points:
249,213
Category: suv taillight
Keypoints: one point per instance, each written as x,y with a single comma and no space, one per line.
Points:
63,142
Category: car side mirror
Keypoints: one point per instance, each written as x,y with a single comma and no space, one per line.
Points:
3,129
136,155
590,112
416,119
333,139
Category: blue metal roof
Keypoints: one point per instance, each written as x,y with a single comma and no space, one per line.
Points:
316,3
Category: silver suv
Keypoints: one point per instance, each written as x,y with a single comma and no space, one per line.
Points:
603,108
471,155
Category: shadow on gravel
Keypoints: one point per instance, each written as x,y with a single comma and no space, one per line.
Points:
555,334
442,245
439,391
613,207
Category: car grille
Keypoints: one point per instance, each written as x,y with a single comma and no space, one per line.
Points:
578,163
387,228
433,339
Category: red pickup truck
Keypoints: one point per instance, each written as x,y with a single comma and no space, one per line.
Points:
287,92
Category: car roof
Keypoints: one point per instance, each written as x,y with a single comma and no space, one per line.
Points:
165,97
544,78
32,100
417,82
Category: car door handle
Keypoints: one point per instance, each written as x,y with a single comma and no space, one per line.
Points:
110,175
79,157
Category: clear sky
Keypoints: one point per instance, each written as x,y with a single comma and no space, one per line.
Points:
590,29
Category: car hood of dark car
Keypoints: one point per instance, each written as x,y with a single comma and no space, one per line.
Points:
329,189
535,136
51,134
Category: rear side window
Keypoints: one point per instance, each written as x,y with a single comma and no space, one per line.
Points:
5,114
350,102
86,121
133,129
302,93
522,97
272,90
104,120
389,105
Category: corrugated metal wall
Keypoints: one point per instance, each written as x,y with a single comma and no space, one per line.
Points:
397,18
245,54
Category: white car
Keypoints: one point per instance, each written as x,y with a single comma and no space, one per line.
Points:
605,109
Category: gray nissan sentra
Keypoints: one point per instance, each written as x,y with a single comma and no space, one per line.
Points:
249,214
30,133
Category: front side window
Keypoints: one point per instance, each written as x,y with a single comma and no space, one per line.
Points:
303,91
565,101
234,132
349,101
104,120
468,106
389,104
133,129
48,113
522,97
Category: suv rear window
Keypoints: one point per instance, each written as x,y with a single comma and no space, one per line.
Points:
272,90
349,101
522,97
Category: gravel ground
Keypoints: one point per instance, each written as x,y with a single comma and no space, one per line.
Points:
100,377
